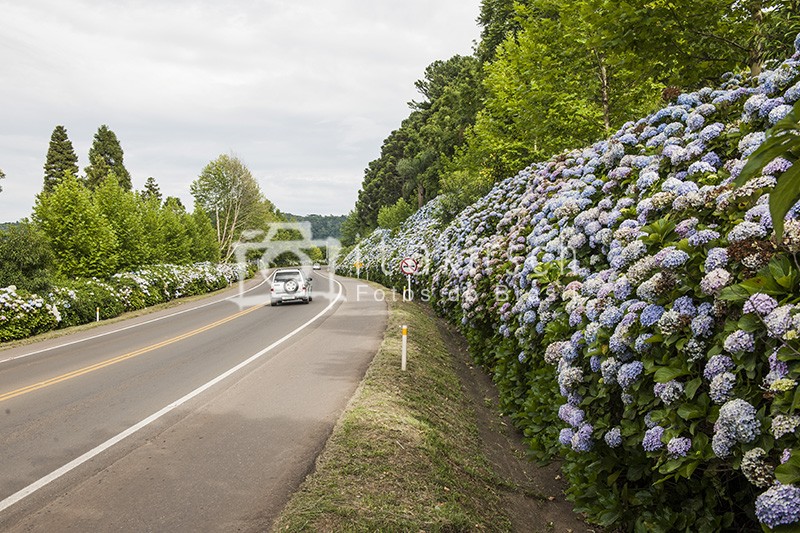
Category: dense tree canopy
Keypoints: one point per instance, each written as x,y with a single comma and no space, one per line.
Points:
552,74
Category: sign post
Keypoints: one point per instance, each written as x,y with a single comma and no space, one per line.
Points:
408,266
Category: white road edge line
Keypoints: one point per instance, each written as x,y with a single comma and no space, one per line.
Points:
36,485
129,327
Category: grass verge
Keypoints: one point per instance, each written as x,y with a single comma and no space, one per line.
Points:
406,454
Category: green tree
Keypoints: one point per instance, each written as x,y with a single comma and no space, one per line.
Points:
81,238
106,156
2,176
176,240
60,159
149,209
229,193
203,237
391,216
26,259
121,209
350,229
499,20
151,189
415,156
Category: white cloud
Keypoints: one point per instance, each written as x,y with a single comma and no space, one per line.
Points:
303,91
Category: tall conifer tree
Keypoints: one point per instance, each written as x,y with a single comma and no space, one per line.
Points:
105,156
61,158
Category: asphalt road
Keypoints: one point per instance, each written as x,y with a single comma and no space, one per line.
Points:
204,417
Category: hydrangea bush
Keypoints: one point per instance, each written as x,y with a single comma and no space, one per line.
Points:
636,312
75,302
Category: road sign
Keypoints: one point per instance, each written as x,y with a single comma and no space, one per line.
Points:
408,266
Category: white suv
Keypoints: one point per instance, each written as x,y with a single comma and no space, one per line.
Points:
290,285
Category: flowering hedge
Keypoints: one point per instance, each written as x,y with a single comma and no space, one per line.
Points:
75,302
636,312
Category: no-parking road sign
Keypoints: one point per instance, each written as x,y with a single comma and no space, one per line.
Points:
408,266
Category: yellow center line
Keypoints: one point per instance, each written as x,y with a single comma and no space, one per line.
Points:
120,358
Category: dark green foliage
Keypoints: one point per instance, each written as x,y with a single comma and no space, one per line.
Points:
26,260
105,157
322,226
61,159
415,156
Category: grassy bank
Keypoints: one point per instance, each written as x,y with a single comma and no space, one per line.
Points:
406,453
426,449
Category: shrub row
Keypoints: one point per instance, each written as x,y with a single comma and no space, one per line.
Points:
75,302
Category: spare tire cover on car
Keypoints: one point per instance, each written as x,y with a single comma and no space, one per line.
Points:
290,286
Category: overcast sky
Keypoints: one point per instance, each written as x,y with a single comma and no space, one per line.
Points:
303,91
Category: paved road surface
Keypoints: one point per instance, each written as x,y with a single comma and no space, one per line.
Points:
148,425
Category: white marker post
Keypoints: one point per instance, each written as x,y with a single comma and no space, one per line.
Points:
405,346
98,314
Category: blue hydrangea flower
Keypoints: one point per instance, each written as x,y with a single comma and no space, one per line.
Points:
739,341
776,167
685,306
679,446
652,439
717,365
703,237
641,345
716,258
721,388
760,304
629,373
565,436
582,439
737,422
610,317
702,326
745,231
613,437
669,392
650,315
779,321
674,259
571,415
779,506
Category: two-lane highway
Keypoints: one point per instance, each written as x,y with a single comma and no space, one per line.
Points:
203,417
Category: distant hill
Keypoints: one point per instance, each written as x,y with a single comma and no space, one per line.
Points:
322,226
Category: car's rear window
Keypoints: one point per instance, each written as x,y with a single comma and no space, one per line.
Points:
286,276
